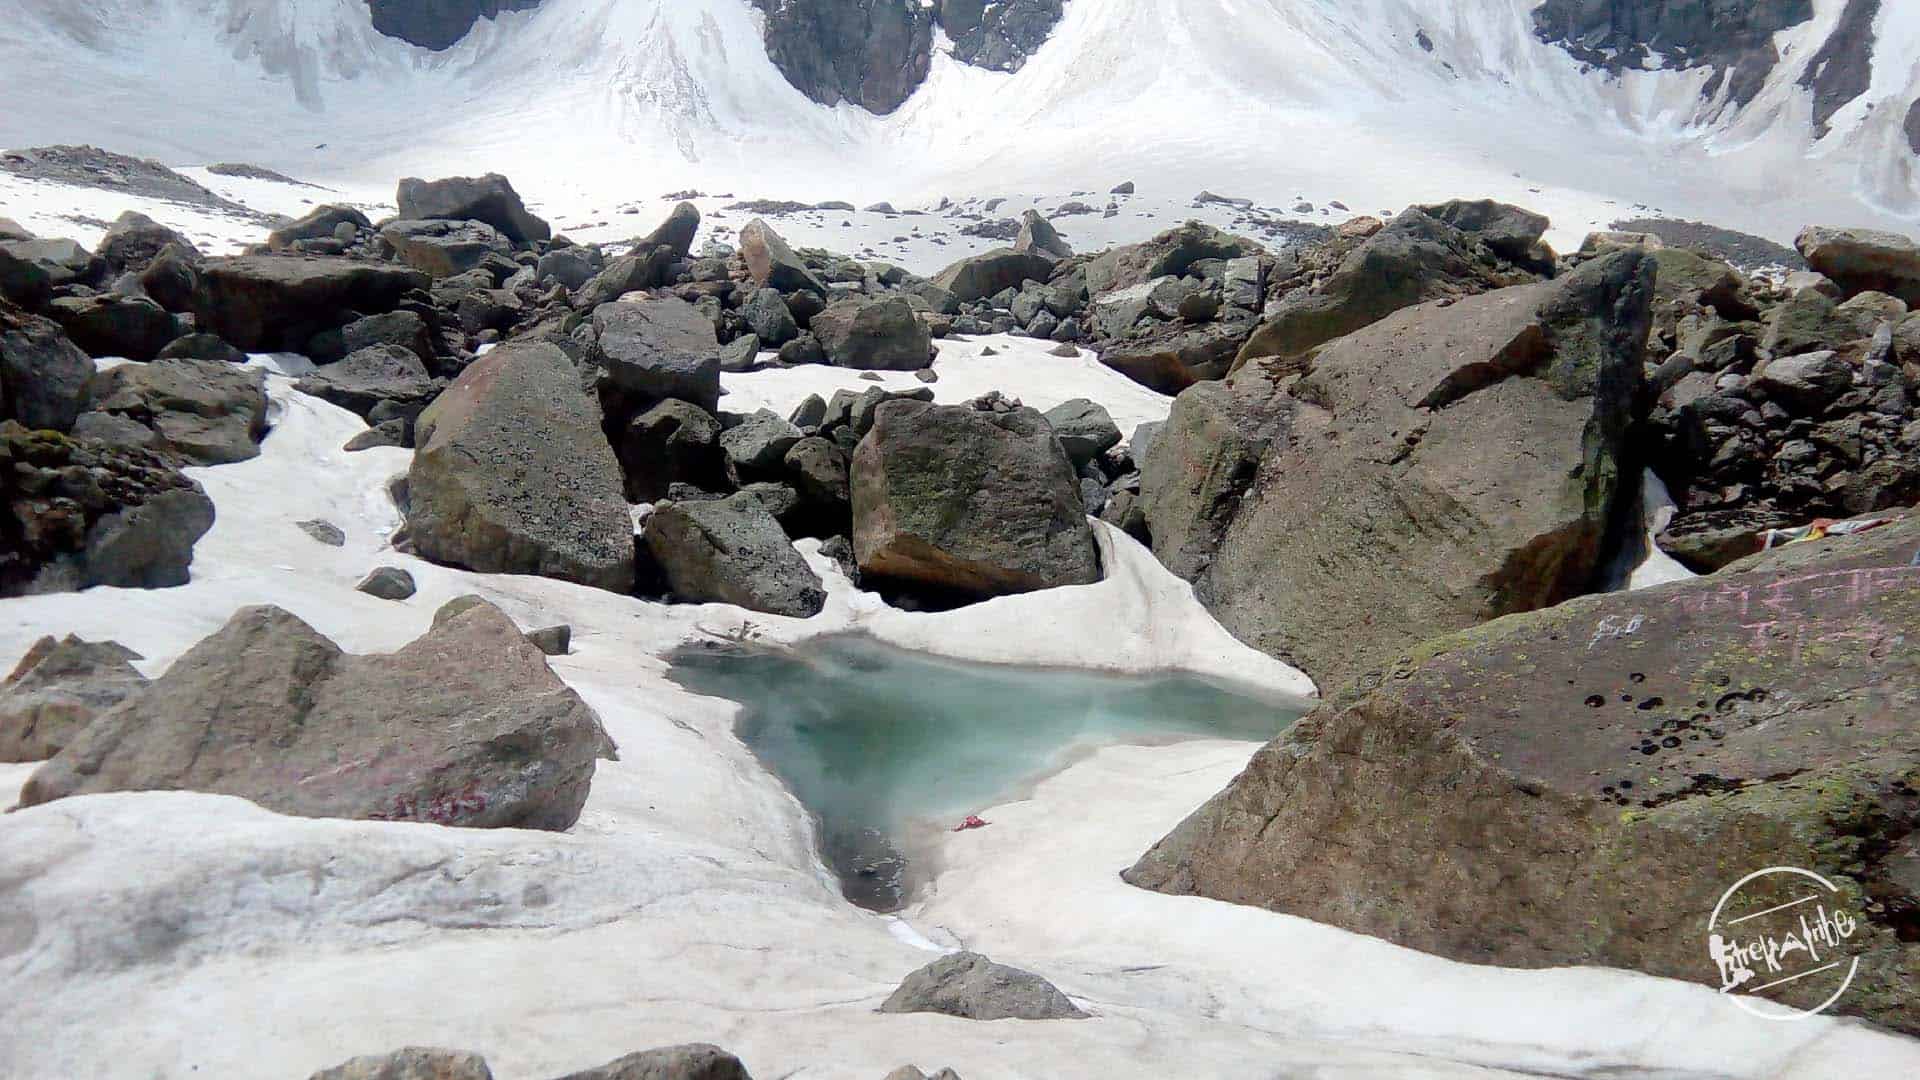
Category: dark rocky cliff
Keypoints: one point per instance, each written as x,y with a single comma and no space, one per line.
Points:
437,24
874,53
1733,36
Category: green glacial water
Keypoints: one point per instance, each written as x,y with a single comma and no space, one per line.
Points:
879,742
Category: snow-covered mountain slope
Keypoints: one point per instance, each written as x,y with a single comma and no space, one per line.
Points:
1375,103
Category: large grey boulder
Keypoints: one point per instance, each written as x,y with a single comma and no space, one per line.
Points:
759,442
264,303
772,264
880,334
659,347
677,232
204,412
977,277
972,987
629,273
464,726
673,442
1168,357
104,324
1445,466
1860,260
972,501
1037,235
692,1061
569,266
767,315
444,248
732,551
77,513
59,688
1197,466
1511,232
45,379
1085,429
513,474
1582,785
403,328
135,239
381,375
320,223
490,199
32,269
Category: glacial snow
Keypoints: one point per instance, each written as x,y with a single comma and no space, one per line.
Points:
592,103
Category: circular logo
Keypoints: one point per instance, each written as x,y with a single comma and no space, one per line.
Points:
1778,928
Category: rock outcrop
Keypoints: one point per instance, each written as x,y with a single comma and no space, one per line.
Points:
203,412
464,726
972,987
489,199
1447,465
968,500
59,688
265,303
1582,784
513,474
732,551
437,24
873,53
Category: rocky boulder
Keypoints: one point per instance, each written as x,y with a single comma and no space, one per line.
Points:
673,442
1862,260
1168,357
691,1061
382,375
465,726
59,688
321,223
880,334
204,412
265,303
677,232
104,324
444,248
1038,236
1084,428
1448,465
135,239
513,474
972,987
978,277
44,379
1197,466
31,269
658,347
969,501
732,551
772,264
490,199
76,513
1582,784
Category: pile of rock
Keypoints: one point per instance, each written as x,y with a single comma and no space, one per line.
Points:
1780,404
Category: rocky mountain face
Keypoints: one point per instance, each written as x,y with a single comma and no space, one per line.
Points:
874,53
437,24
1735,37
